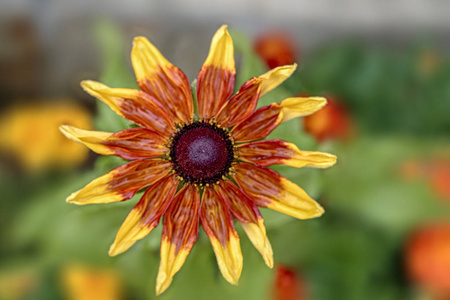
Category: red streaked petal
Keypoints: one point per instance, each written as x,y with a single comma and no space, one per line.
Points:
122,183
180,230
238,203
269,189
247,213
162,80
134,105
135,143
259,124
267,153
218,224
215,81
242,104
145,215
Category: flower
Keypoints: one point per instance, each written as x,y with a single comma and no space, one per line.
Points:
434,171
198,168
428,258
83,282
332,122
288,285
29,133
276,48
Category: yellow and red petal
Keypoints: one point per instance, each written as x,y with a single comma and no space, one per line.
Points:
160,79
121,183
215,81
278,152
180,231
217,222
259,124
135,143
275,77
269,189
134,105
264,120
247,213
145,215
242,104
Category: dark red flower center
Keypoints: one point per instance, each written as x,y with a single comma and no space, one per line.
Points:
201,153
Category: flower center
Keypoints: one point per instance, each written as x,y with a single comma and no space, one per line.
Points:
201,153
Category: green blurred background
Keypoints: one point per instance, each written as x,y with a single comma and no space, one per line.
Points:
386,230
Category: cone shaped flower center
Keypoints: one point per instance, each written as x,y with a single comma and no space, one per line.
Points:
201,152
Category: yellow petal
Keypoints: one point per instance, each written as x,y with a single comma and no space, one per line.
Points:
269,189
97,191
257,235
91,139
229,258
275,77
133,105
221,53
159,78
217,222
146,59
180,230
171,262
145,216
299,106
121,183
312,159
99,91
295,202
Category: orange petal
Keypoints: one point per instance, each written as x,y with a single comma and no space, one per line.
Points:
134,105
129,144
242,104
218,224
145,215
180,230
162,80
269,189
121,183
215,81
259,124
267,153
247,213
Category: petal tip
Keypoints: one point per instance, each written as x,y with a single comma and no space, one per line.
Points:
115,250
162,283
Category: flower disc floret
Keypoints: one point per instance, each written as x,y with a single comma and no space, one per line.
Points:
201,152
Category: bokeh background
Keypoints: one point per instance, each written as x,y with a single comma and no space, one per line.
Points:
384,67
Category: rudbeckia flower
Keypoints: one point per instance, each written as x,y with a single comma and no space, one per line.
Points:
204,167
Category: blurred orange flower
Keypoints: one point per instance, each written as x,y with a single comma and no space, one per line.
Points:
90,283
276,48
288,284
436,172
428,259
332,122
30,134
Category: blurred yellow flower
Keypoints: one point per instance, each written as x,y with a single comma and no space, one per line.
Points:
30,134
82,282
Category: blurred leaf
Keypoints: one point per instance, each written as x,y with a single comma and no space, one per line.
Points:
115,73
